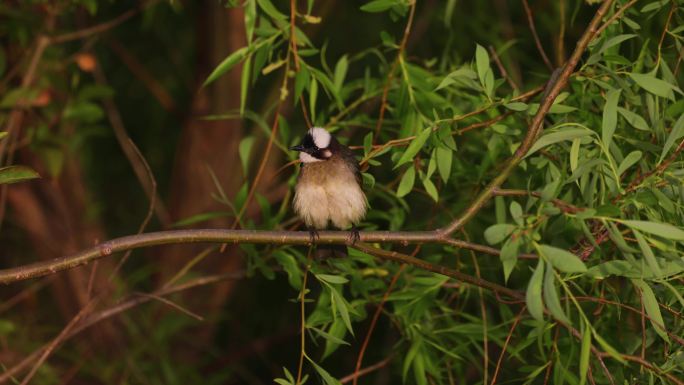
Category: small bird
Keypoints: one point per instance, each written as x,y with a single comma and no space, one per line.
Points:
328,189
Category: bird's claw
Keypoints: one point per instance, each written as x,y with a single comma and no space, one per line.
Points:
314,237
354,235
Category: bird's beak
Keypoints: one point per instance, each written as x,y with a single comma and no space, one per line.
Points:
298,147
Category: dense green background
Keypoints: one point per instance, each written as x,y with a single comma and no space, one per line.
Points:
197,87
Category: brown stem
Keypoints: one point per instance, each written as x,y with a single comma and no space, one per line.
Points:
366,370
537,42
390,77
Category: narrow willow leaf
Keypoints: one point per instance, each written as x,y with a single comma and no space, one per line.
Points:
228,63
551,295
664,230
271,10
379,5
497,233
629,161
327,378
556,137
585,353
607,347
648,254
509,255
313,95
244,84
482,63
676,133
444,159
517,213
563,260
250,19
245,149
533,296
340,72
654,85
14,174
517,106
652,308
431,189
574,154
332,278
634,120
407,181
610,117
342,308
415,146
367,143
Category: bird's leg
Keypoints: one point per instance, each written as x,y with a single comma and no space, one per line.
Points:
354,235
313,236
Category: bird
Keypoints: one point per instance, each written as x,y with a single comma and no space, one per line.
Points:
328,189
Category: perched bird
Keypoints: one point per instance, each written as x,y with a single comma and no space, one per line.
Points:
328,189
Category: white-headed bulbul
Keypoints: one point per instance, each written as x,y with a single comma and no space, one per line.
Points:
328,189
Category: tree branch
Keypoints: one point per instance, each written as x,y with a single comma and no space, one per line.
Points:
536,126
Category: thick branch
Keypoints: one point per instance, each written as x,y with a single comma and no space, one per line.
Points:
536,126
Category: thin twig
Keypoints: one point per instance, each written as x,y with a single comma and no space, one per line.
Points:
537,42
505,345
368,369
390,76
374,320
615,16
502,69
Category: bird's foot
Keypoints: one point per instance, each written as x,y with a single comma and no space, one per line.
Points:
354,235
313,236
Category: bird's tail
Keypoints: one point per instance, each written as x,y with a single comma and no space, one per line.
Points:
331,251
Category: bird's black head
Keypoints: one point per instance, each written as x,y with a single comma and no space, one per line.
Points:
317,145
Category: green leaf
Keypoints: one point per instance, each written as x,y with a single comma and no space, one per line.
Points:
517,106
340,72
407,181
444,158
201,217
551,295
585,353
664,230
610,117
244,84
574,154
635,120
482,63
628,161
556,137
245,150
431,189
327,378
334,279
342,308
379,5
517,213
648,254
652,308
509,255
3,134
413,148
289,264
271,10
533,296
654,85
563,260
313,94
497,233
227,63
250,19
14,174
676,133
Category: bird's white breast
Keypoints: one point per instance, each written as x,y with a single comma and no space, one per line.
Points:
328,192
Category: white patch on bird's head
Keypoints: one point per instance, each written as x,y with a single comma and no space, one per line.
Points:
321,137
306,158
